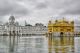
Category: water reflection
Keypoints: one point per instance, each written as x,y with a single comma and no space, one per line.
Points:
40,44
24,44
61,44
77,43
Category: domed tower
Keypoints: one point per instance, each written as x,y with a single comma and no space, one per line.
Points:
11,20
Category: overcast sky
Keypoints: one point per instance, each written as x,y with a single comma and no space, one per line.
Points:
40,11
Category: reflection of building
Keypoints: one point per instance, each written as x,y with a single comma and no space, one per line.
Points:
60,28
32,44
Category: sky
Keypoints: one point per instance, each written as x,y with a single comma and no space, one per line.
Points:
39,11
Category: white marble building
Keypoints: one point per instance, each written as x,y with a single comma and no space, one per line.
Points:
28,29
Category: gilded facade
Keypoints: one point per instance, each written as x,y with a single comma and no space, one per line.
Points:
61,26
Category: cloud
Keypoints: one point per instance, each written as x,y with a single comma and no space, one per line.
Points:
72,8
42,10
11,7
41,5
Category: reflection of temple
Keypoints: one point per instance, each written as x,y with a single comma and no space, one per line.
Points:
60,36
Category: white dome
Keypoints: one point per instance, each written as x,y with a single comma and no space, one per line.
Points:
11,18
